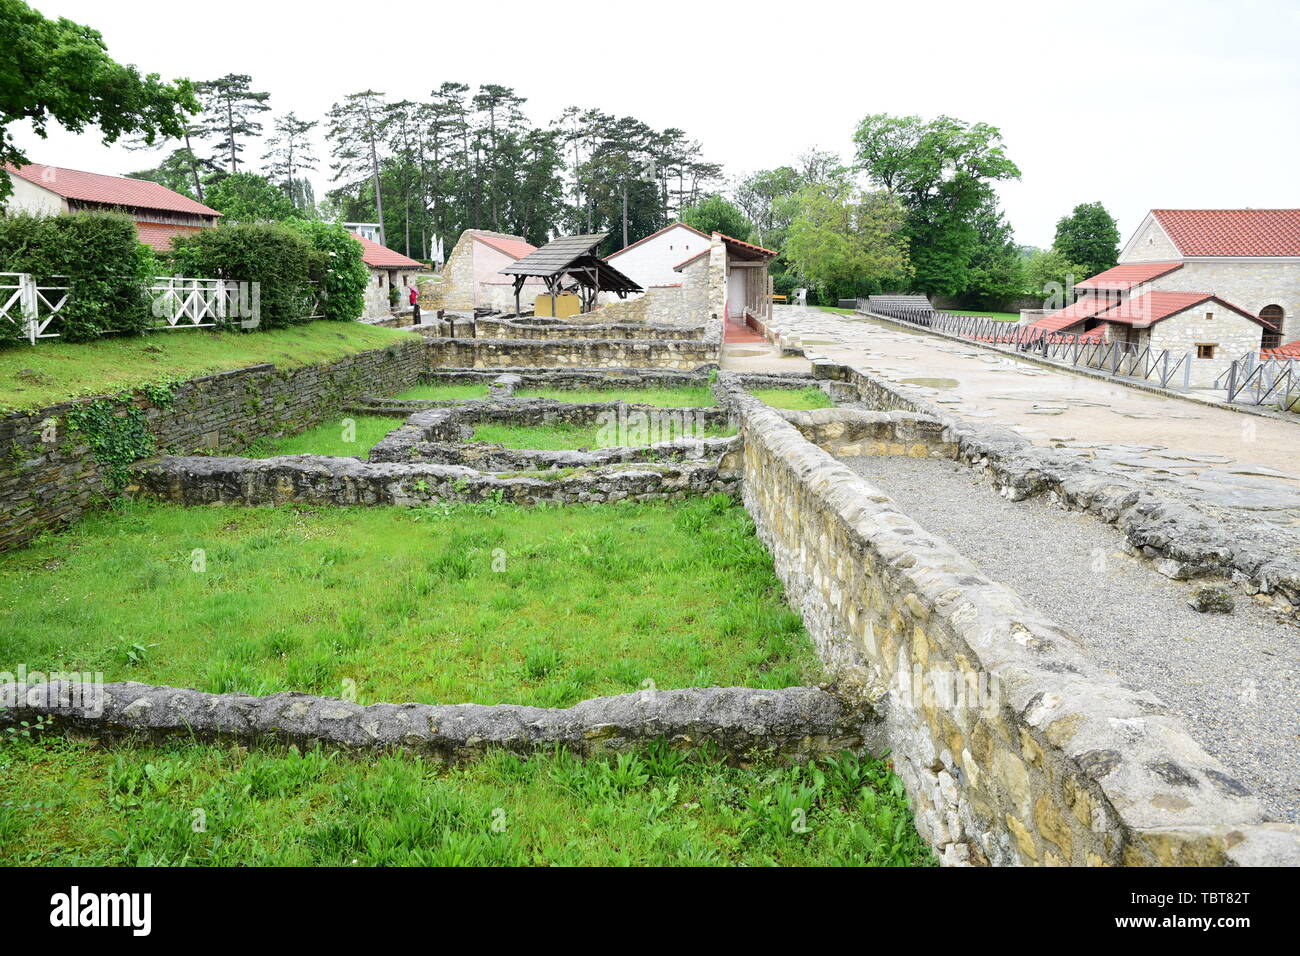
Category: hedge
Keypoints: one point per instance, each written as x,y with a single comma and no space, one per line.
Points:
108,271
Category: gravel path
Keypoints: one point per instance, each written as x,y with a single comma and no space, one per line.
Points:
1232,678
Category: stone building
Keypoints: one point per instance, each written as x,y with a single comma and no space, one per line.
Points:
1211,283
160,213
389,271
472,279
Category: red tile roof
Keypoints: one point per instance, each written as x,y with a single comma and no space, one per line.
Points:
513,246
1128,275
381,257
109,190
159,235
1232,232
1289,351
741,245
652,235
1085,308
1151,307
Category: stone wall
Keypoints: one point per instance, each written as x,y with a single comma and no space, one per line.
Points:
558,329
1013,747
577,353
45,485
658,304
1232,335
845,432
320,480
795,722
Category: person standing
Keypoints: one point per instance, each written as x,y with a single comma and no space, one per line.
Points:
415,304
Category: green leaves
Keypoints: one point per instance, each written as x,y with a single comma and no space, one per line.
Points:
59,70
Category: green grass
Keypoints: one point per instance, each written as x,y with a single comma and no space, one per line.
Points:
562,437
996,316
691,396
801,398
837,309
408,604
443,392
52,372
350,436
66,801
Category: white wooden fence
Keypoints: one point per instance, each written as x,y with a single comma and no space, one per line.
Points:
31,306
177,302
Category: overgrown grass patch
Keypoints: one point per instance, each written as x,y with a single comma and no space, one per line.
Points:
349,436
794,398
53,372
686,396
441,392
561,437
442,604
65,801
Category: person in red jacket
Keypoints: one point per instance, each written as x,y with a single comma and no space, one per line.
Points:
415,304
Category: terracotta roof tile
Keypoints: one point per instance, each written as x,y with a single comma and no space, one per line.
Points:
1127,275
1232,232
109,190
513,246
1152,307
1085,308
381,257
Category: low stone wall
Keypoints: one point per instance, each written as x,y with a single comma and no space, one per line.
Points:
724,453
796,722
47,484
848,432
681,354
1013,747
560,330
319,480
1180,541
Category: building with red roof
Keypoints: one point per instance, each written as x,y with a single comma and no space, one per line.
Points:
389,271
160,213
1212,283
472,279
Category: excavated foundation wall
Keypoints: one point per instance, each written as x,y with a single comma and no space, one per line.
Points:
1013,747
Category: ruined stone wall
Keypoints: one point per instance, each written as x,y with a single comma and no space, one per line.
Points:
45,485
557,329
659,304
1013,747
577,353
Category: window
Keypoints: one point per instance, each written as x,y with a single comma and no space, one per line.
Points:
1270,340
1272,314
1205,351
1209,316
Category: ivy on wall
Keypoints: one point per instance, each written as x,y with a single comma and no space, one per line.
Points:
117,430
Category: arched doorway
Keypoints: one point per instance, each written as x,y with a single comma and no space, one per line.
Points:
1273,315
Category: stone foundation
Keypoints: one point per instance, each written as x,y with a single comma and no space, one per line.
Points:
1013,747
796,722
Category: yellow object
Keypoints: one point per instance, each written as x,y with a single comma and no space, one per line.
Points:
566,304
778,298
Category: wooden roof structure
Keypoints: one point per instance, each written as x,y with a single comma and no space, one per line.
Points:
573,258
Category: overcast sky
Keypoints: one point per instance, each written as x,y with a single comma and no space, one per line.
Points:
1175,104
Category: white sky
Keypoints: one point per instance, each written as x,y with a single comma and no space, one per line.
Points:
1183,103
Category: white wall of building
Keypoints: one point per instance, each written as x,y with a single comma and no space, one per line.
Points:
651,262
30,198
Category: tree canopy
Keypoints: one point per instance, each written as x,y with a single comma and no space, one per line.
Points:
715,213
57,70
1089,238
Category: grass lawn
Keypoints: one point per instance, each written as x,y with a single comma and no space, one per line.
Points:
66,801
330,438
996,316
837,309
695,396
798,398
408,603
53,372
562,437
441,392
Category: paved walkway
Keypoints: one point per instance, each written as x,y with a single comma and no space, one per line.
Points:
1234,679
1212,456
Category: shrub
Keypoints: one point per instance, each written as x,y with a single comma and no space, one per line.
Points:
275,256
339,269
108,270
